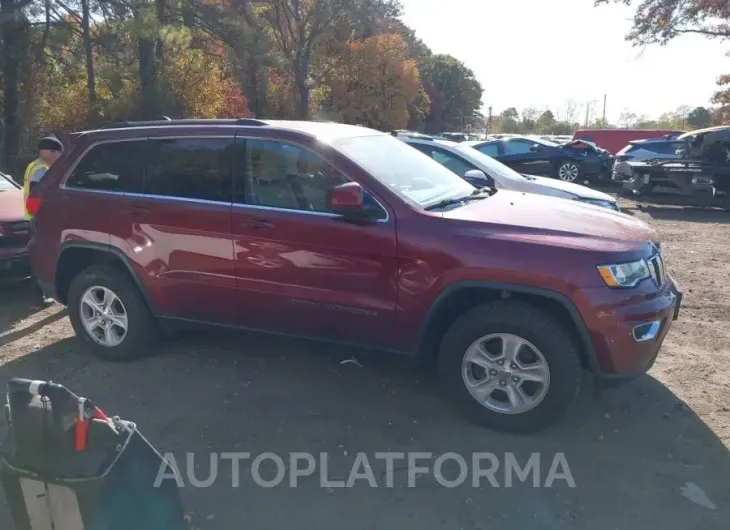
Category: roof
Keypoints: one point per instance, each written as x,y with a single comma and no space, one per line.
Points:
325,131
704,131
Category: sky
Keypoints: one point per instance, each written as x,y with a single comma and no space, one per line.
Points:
540,53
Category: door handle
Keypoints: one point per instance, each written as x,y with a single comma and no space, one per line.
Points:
257,224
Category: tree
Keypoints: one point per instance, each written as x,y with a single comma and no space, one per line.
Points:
508,121
375,84
659,21
529,117
627,119
447,77
699,118
546,122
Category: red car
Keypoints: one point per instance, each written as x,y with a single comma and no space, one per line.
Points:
14,229
342,233
613,140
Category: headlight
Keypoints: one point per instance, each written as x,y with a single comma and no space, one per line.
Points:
611,205
625,274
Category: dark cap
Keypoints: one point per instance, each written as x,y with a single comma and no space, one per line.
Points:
50,143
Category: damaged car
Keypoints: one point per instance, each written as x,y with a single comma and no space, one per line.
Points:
701,169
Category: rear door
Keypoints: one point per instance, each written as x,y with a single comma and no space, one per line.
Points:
300,268
177,230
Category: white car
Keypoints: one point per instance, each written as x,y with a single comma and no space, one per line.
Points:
481,170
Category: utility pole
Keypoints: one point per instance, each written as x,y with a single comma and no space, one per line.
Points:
489,121
588,110
603,121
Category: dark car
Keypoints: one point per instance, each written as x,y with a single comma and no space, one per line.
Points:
346,234
14,229
577,160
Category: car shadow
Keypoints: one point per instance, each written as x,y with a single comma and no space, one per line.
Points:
637,448
19,302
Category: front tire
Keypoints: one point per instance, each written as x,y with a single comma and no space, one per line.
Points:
109,315
568,171
511,366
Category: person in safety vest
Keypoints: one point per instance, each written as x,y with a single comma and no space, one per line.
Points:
49,149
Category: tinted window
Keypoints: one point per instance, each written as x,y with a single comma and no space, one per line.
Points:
282,175
115,166
517,147
191,168
664,148
452,162
489,149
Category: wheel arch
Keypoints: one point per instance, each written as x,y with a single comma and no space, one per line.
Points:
457,298
74,256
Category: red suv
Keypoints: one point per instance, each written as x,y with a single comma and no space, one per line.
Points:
342,233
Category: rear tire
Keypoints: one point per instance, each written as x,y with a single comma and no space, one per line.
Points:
568,171
132,331
541,336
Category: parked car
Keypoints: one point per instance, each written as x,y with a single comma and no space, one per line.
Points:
613,140
576,161
455,136
640,150
342,233
14,229
481,170
701,169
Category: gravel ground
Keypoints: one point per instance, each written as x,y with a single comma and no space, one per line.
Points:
636,456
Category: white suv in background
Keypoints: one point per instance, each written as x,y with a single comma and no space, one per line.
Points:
481,170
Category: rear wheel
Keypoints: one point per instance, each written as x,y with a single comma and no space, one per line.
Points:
109,315
511,366
568,171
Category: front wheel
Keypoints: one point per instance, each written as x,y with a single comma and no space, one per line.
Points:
511,365
568,171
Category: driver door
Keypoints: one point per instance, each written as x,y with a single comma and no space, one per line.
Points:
526,156
300,268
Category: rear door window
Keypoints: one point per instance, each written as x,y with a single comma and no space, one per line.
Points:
113,166
517,147
191,168
489,149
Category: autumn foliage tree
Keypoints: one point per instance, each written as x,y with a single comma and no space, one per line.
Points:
374,83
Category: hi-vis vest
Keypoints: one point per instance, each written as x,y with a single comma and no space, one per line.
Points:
32,168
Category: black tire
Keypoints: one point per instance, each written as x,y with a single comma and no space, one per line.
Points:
537,327
572,163
142,332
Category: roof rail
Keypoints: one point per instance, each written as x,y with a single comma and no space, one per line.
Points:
164,121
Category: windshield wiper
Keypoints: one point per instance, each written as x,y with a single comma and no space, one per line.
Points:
477,195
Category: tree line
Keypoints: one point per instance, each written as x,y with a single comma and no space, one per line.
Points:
75,64
565,121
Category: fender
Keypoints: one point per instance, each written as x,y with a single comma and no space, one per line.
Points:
116,252
562,299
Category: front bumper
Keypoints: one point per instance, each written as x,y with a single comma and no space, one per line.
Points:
621,355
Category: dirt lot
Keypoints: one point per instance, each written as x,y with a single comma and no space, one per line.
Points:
631,454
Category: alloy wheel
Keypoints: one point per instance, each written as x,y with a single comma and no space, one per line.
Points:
568,172
104,316
505,373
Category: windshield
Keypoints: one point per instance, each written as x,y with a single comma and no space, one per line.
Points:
413,176
6,185
489,165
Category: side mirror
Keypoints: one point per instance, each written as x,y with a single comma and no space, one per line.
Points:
477,178
535,148
347,199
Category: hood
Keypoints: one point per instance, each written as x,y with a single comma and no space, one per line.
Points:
577,190
11,206
557,222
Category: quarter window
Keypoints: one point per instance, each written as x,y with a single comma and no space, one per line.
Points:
282,175
115,166
191,168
